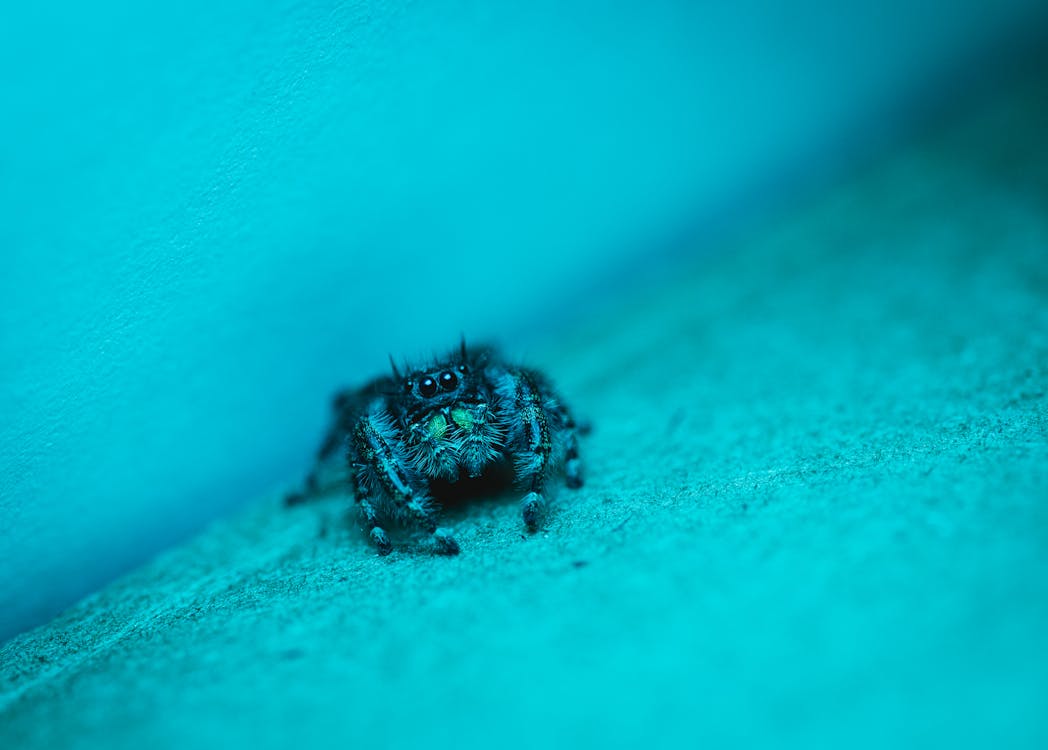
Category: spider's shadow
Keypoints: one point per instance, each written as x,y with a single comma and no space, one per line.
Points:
455,498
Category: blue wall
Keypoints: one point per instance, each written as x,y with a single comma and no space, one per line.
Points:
211,214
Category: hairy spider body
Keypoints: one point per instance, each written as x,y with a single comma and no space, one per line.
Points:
444,423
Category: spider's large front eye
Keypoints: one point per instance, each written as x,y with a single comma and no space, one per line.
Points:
448,381
427,387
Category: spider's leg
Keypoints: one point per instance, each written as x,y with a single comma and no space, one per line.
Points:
420,510
445,543
572,462
385,466
376,533
533,509
369,516
417,507
531,441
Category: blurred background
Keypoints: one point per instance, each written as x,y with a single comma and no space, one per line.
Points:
214,214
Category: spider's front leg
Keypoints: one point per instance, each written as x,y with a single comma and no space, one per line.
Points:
369,515
383,469
538,423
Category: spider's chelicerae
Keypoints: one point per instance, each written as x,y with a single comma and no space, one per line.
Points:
440,426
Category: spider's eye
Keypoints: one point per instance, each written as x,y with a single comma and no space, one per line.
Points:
427,387
461,368
408,385
448,381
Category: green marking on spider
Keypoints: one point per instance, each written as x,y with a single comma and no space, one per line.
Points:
462,417
437,426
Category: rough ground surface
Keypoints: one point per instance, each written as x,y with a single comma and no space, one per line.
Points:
815,513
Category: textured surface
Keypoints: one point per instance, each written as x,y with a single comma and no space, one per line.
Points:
200,202
815,512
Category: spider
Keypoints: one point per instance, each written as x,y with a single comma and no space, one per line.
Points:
405,436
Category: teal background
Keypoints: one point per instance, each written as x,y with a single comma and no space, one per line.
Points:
212,214
814,517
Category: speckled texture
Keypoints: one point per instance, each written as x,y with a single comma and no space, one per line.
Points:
815,514
205,206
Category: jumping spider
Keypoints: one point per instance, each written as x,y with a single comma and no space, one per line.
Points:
403,435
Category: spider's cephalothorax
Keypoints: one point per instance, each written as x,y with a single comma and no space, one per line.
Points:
444,423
